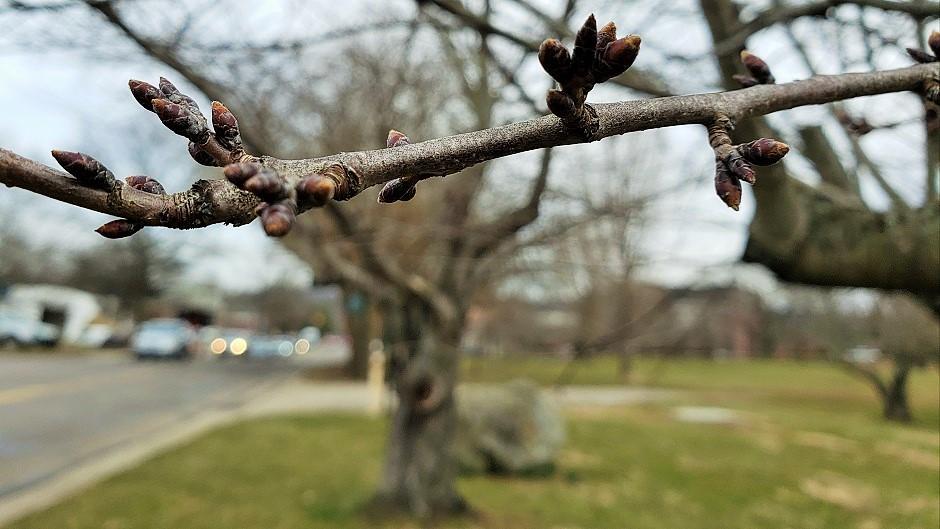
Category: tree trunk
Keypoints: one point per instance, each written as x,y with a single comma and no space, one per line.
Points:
896,407
357,307
421,470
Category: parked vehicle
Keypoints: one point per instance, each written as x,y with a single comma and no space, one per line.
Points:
17,330
163,338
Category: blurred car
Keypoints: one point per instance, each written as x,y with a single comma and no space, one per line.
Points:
163,338
272,346
16,330
229,342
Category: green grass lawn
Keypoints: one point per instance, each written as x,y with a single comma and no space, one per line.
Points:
810,452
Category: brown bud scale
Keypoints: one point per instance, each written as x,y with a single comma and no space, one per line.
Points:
118,229
727,187
85,169
277,219
757,67
764,151
316,189
144,93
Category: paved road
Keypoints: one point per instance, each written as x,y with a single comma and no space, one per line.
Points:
57,412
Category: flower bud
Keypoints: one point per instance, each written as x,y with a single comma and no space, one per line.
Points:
920,56
555,60
266,184
727,187
173,94
238,173
765,151
409,194
201,157
396,190
746,81
146,184
277,219
317,189
585,43
181,120
118,229
144,93
740,168
617,57
396,139
88,171
606,35
757,67
225,125
934,42
560,104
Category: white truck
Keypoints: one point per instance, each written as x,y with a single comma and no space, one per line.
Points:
18,330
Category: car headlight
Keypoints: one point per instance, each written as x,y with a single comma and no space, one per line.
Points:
238,346
218,346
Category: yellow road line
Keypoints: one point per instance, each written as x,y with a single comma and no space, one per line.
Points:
33,391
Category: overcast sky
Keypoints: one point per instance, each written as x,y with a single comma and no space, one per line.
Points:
74,99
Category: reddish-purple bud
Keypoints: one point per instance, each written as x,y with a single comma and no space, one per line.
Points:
409,194
921,56
555,60
396,139
617,57
606,35
277,219
201,156
765,151
397,189
560,104
266,184
757,67
934,42
727,186
118,229
85,169
587,36
238,173
181,120
146,184
746,81
225,125
740,168
317,189
144,93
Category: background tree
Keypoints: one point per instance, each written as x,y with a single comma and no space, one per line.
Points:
423,308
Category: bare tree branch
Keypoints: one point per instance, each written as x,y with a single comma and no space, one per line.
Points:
777,15
217,201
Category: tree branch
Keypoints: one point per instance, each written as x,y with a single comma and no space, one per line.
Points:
736,40
219,202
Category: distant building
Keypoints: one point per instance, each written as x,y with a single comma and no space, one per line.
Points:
69,309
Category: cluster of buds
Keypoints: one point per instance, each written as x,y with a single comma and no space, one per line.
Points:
735,163
598,56
281,201
278,208
181,114
400,189
759,72
932,85
91,173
